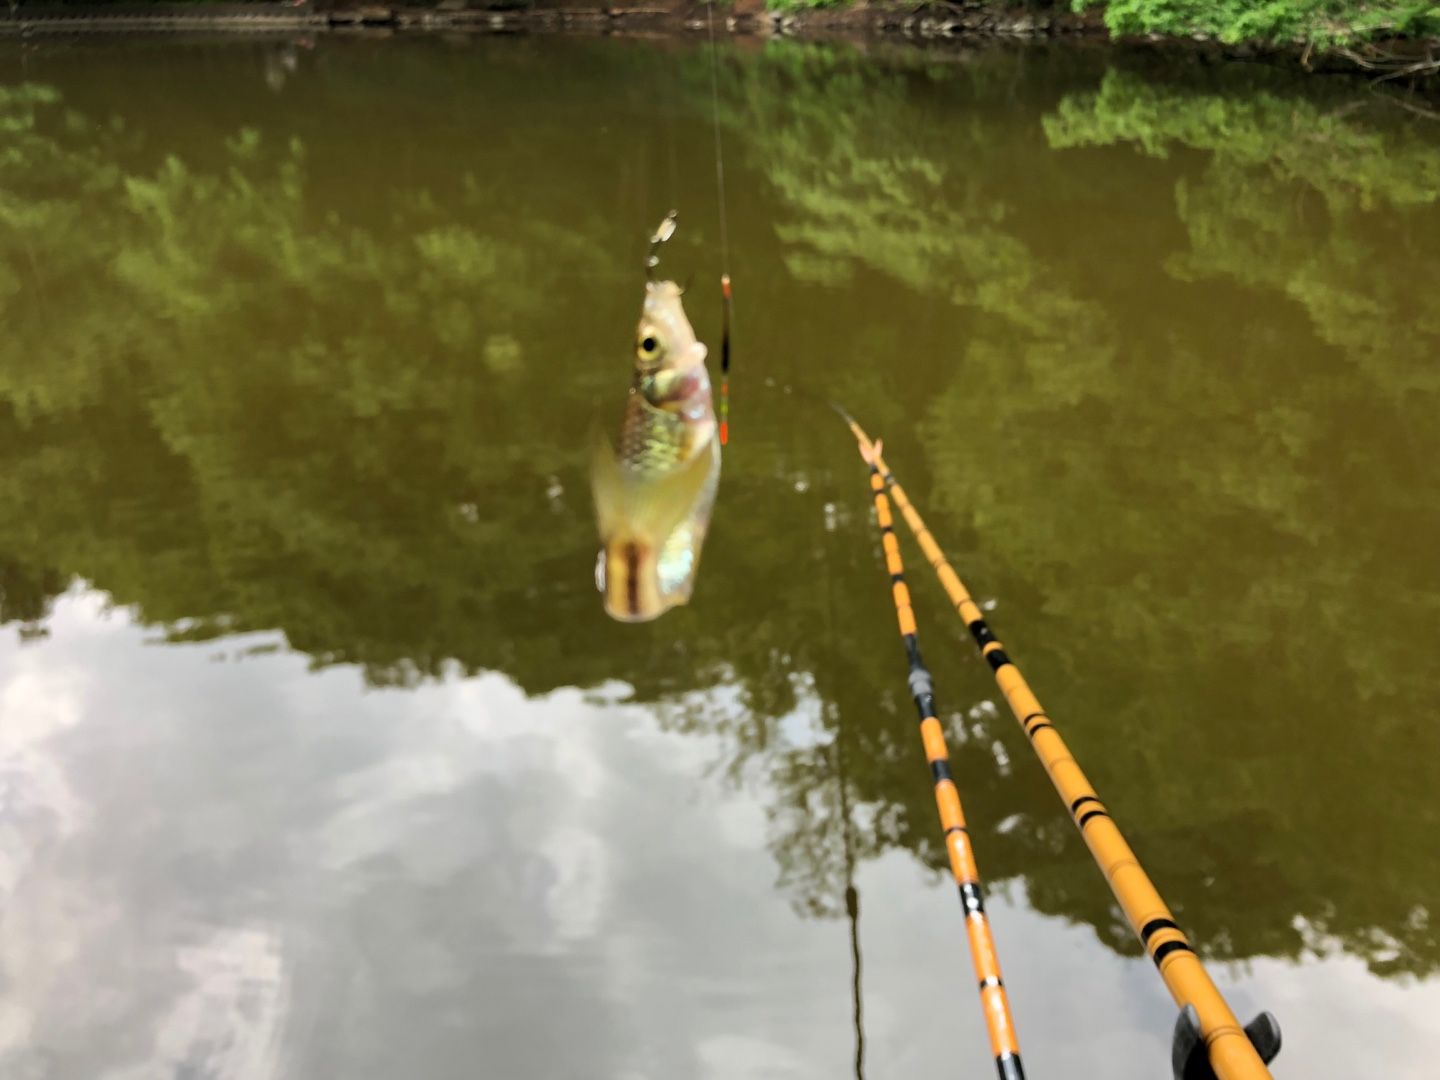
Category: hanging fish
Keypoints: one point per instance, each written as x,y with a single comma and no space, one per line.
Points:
654,497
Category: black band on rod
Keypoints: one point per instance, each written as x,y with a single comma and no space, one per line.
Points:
912,651
997,659
973,898
1153,927
1168,948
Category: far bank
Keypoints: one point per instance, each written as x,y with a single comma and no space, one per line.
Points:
1385,40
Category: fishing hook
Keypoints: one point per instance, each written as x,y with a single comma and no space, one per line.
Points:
664,231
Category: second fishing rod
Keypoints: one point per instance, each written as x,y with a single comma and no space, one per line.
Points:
994,1000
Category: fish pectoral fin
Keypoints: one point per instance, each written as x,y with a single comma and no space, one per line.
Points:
650,508
608,484
667,500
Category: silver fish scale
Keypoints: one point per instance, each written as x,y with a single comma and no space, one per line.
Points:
653,441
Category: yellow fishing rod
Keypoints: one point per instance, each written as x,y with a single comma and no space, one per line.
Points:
1208,1040
993,998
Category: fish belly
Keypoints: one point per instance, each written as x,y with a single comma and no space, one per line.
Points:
680,556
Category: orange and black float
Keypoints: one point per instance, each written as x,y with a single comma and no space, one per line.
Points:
993,998
725,360
1209,1041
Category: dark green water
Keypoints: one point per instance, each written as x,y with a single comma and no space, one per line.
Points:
318,756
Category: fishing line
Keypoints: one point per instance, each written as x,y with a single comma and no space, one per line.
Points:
663,80
719,149
847,832
852,895
726,301
674,160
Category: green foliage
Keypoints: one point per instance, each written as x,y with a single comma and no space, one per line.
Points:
1359,273
1324,22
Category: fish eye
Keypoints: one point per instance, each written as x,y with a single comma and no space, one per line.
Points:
648,348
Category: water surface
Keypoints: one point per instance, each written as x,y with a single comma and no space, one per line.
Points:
318,756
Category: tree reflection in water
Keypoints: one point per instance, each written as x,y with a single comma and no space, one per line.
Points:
1152,356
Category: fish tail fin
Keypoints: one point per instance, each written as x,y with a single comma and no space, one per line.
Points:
608,485
635,517
632,580
647,508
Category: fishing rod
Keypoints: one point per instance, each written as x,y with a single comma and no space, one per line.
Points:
1208,1041
993,999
